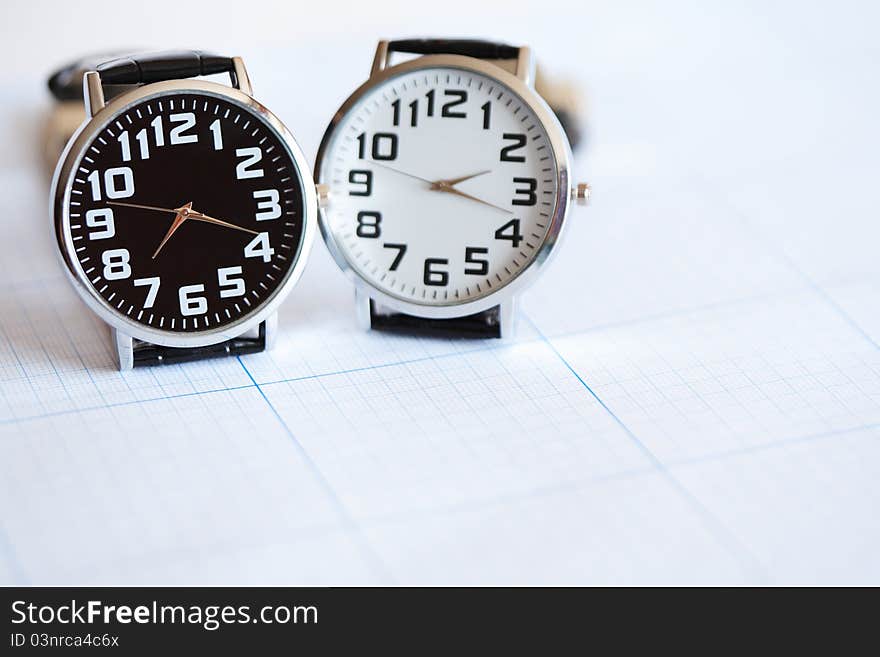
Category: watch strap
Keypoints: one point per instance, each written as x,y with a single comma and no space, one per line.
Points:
137,69
484,324
146,353
562,99
468,47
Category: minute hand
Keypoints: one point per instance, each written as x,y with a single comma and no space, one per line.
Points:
452,190
144,207
198,216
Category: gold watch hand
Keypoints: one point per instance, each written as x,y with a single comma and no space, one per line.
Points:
447,186
198,216
454,181
182,214
145,207
457,192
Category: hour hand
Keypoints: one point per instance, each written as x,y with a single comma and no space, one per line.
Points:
182,213
449,182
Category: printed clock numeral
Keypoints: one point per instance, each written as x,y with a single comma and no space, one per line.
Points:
102,220
510,231
116,264
259,248
268,204
249,158
459,97
413,113
531,198
481,265
433,275
118,183
192,302
363,179
230,282
383,146
152,283
401,251
519,141
369,224
185,122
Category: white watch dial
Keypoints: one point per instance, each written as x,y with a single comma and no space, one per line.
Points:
443,186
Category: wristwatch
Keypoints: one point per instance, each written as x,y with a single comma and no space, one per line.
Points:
183,209
444,184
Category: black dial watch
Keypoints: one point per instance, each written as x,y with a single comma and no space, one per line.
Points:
183,209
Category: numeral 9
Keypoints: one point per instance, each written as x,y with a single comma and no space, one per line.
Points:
361,177
101,219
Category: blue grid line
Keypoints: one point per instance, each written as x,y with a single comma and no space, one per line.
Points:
348,521
756,449
29,418
630,473
777,251
489,346
725,537
86,409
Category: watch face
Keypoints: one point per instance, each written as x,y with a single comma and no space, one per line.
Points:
443,186
185,212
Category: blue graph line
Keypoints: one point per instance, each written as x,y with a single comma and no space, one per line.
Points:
776,251
725,537
368,552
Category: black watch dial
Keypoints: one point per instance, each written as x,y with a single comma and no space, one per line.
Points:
186,212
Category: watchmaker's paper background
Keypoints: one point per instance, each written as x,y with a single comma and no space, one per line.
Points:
694,396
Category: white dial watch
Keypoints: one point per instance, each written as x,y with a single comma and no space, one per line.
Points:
444,185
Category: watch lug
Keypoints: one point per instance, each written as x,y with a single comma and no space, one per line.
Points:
93,93
507,317
240,78
124,350
362,309
380,59
323,192
270,330
525,66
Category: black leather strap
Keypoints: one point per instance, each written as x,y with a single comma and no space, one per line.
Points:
480,325
481,49
136,69
152,354
467,47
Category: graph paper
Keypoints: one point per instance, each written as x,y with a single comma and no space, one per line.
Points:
692,396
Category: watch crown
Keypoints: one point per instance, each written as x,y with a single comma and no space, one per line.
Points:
581,193
323,194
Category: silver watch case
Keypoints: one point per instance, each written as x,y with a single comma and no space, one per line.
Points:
60,197
505,296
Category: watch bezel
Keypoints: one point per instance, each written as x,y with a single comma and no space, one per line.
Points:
561,152
60,211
